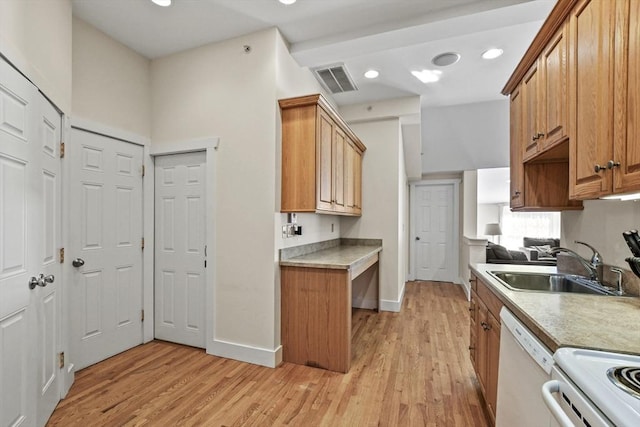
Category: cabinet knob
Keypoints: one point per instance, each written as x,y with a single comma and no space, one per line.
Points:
485,326
611,164
539,135
598,168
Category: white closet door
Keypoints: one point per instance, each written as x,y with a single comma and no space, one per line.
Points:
180,248
29,243
106,234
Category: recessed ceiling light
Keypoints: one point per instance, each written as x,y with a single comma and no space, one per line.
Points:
163,3
492,53
287,2
427,76
445,59
371,74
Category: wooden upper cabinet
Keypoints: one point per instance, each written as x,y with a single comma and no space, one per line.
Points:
554,100
321,158
592,37
516,136
531,113
325,159
626,150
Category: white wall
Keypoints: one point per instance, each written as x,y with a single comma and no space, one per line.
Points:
469,205
219,90
601,224
465,137
292,81
111,83
380,200
36,37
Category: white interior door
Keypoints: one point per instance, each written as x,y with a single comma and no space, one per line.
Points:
180,254
106,238
48,298
29,241
434,217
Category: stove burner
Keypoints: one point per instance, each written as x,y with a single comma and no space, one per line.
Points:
626,378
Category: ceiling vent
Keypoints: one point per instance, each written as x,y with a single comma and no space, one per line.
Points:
335,78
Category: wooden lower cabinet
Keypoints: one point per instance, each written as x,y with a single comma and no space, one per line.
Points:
484,348
316,317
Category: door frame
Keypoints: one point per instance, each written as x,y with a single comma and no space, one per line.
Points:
209,146
455,183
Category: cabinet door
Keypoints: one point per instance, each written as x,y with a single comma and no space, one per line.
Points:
530,113
473,337
324,161
482,343
516,137
591,89
349,179
339,143
626,175
357,182
493,354
554,96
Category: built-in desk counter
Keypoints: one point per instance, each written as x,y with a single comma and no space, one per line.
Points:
316,300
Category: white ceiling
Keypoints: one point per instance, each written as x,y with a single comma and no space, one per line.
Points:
392,36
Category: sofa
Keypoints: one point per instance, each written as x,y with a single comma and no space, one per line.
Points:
535,249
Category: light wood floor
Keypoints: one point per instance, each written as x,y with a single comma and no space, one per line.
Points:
409,369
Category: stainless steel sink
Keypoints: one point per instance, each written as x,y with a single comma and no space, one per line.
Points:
544,282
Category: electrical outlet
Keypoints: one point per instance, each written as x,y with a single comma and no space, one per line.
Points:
284,232
332,227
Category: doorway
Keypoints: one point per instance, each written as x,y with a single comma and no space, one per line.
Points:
435,230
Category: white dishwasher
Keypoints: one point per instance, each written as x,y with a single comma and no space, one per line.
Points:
525,365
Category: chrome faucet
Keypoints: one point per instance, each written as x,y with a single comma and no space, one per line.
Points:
595,266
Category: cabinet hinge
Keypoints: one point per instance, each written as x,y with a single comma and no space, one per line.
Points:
61,255
142,244
61,360
143,170
61,150
142,316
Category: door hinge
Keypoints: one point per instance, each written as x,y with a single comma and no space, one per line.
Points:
142,244
142,316
61,255
143,170
61,360
61,149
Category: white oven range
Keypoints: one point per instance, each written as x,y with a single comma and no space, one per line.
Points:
594,388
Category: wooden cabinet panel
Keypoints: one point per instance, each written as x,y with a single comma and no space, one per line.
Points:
554,99
325,160
515,137
339,142
531,114
321,159
591,97
484,348
493,357
626,174
316,317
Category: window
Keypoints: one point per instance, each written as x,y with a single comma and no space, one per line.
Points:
516,225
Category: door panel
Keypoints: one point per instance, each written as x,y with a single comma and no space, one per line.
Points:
434,232
47,298
106,293
179,251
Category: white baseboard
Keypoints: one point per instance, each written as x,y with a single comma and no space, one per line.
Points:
364,303
390,305
466,287
245,353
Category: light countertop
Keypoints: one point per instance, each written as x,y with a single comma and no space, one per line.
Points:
338,257
606,323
